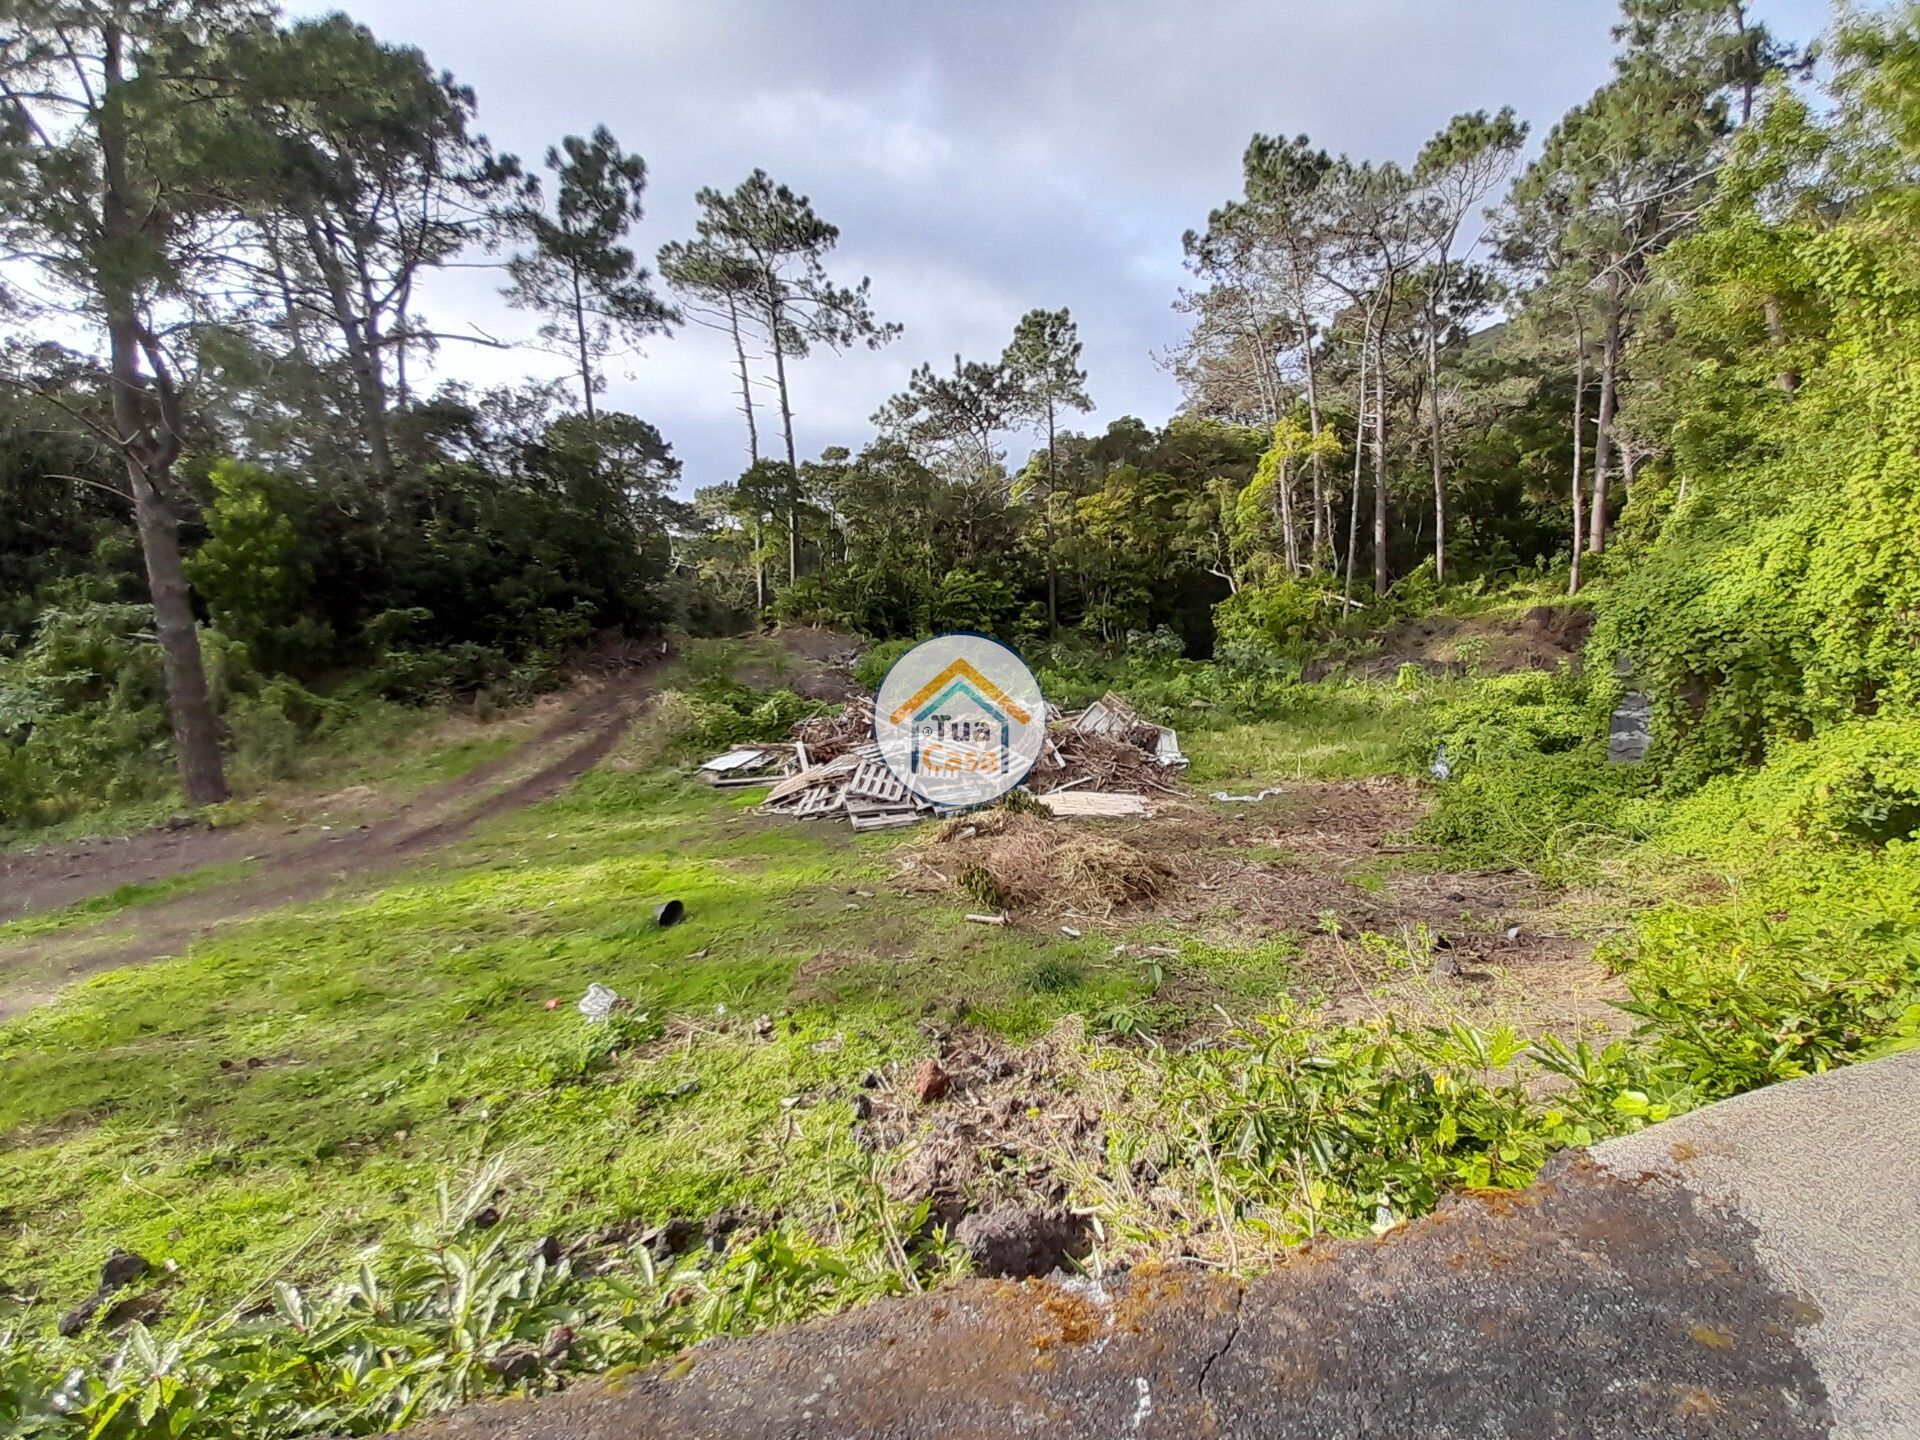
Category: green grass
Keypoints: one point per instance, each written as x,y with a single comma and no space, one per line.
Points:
297,1084
1325,732
296,1087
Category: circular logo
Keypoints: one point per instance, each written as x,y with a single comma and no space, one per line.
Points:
960,720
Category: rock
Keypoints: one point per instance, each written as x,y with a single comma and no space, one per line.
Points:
123,1267
485,1218
1017,1242
668,1240
514,1365
148,1309
720,1225
930,1082
763,1027
547,1250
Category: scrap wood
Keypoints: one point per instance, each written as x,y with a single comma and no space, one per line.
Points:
1096,804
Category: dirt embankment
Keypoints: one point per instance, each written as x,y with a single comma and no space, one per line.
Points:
1544,638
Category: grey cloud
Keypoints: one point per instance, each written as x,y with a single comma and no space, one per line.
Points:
980,158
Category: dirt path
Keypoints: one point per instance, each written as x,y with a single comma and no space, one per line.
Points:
292,865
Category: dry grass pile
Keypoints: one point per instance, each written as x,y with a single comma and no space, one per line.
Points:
1011,859
1008,1118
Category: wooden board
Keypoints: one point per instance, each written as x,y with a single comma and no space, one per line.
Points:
1095,804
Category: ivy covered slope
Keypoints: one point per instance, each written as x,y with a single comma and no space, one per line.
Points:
1772,584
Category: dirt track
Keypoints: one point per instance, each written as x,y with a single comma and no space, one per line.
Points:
292,865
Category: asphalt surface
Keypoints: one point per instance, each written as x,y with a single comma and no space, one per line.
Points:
1750,1270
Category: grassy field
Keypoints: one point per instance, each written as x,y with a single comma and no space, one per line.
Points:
310,1083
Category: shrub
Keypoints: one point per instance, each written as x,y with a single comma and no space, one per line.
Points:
1814,964
872,666
1855,784
726,713
1287,616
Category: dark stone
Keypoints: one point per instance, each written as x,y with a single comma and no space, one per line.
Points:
78,1318
671,1238
1630,731
720,1225
123,1267
515,1365
1016,1242
485,1218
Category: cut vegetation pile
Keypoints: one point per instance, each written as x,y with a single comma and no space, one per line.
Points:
1010,859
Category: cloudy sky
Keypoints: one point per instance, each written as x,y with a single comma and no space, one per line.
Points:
980,158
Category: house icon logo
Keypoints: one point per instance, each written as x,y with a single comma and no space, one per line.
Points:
960,720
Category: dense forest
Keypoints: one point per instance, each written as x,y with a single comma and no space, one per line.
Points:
1665,345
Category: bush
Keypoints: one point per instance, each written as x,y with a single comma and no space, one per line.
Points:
872,666
1295,1127
1287,616
1812,965
726,713
1857,784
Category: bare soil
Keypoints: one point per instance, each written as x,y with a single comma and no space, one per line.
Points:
1378,927
294,863
1544,638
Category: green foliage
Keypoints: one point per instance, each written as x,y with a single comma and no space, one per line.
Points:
442,1316
875,661
1856,784
726,713
1531,787
1811,964
251,572
1294,1127
1288,617
1779,590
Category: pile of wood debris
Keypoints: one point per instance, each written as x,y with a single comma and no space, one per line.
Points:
1098,762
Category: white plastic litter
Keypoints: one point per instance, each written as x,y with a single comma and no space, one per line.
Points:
597,1004
1225,799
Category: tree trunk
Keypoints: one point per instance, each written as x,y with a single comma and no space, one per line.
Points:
362,362
189,703
1053,574
580,339
1603,438
1289,539
1320,537
1359,453
1788,378
1579,448
148,453
793,459
759,567
746,389
1434,443
1380,463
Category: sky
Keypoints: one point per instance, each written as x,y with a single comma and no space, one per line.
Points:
981,158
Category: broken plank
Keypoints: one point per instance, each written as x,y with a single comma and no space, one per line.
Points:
1095,804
